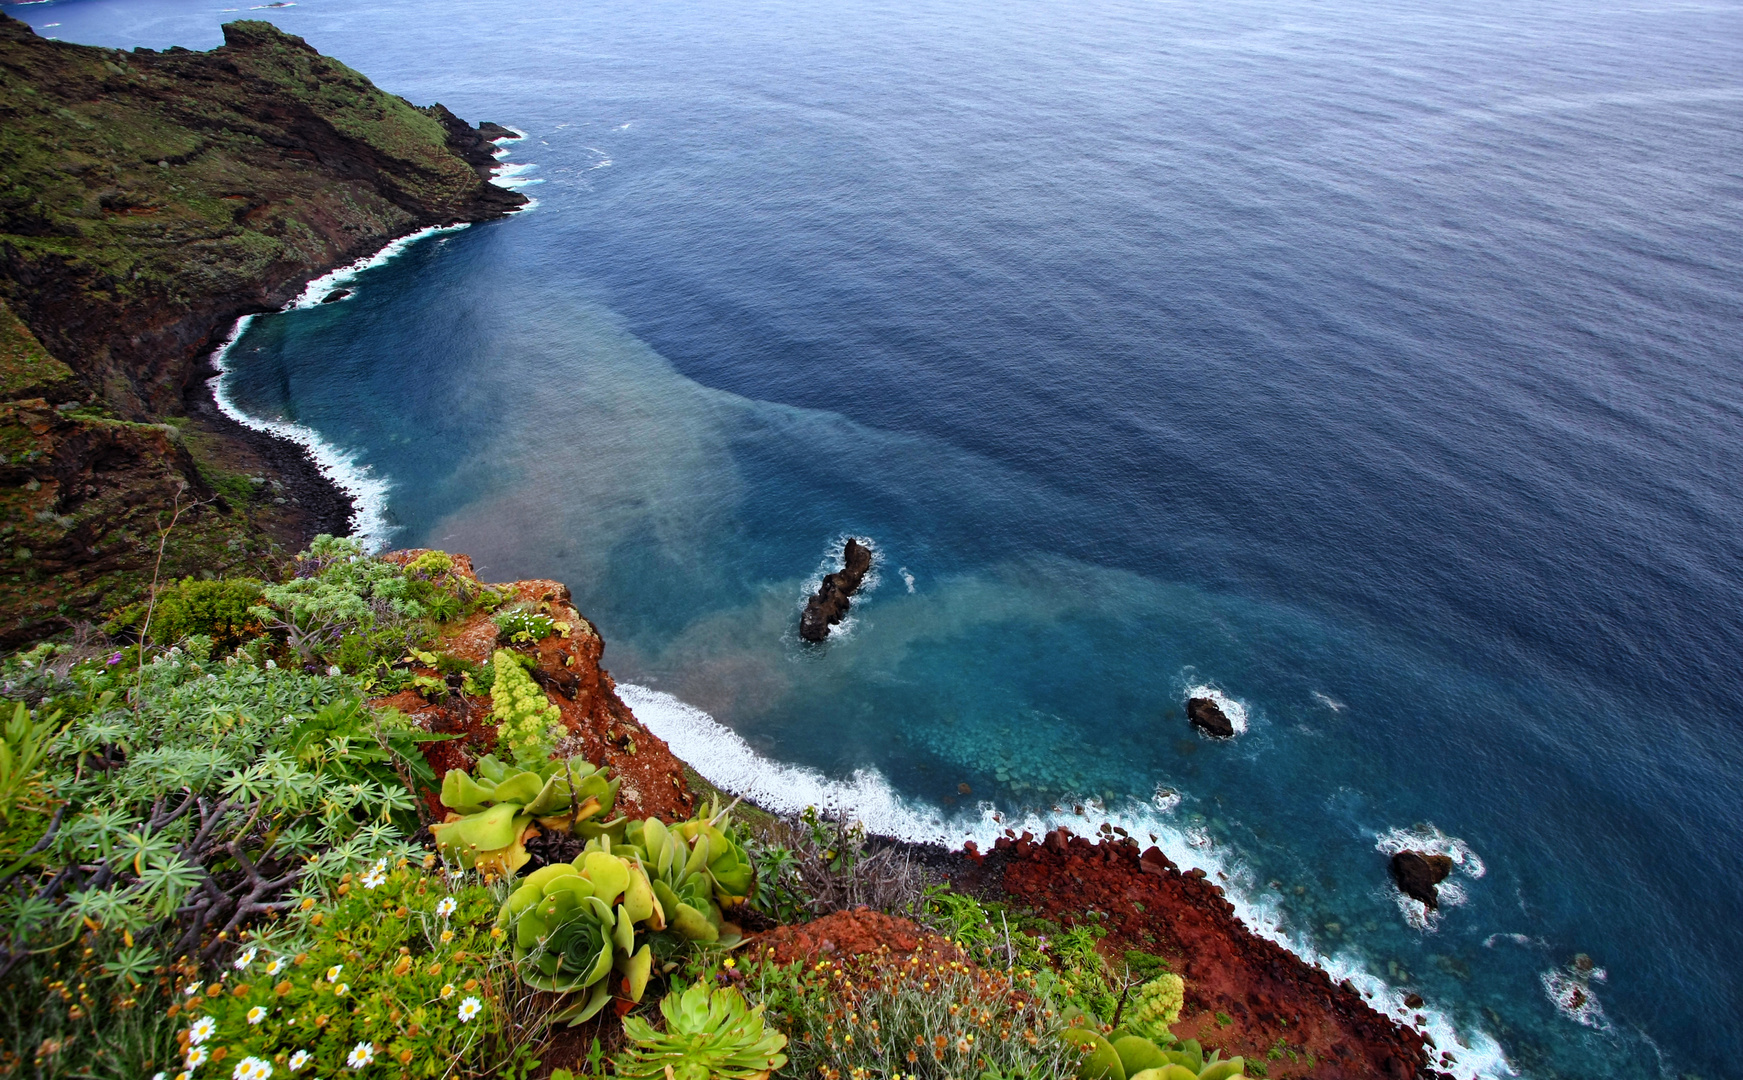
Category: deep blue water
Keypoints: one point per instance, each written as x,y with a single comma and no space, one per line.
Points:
1377,365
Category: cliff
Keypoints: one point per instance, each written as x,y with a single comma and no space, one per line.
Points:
148,200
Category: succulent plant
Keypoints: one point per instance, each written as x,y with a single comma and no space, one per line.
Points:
1155,1006
527,724
492,811
710,1035
1122,1055
574,923
694,867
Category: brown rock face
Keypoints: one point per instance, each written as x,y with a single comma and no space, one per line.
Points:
831,603
1207,717
601,727
1418,874
1265,992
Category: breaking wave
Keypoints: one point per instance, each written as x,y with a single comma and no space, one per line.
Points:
725,760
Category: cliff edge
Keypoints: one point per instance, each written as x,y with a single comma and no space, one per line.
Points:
147,201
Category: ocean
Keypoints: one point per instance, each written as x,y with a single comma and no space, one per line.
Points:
1372,367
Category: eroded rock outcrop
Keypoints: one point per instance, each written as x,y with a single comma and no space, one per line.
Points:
601,727
1419,875
1207,716
831,603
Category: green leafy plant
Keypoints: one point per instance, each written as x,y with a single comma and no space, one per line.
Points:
709,1035
696,867
1122,1055
527,724
495,805
925,1015
395,967
573,923
220,610
520,626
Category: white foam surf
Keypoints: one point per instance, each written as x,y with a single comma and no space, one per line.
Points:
731,764
366,491
316,291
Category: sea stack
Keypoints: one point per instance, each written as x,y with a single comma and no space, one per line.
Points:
1207,717
831,602
1418,873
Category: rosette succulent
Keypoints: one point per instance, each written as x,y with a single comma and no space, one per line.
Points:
574,923
708,1036
1123,1056
695,868
492,811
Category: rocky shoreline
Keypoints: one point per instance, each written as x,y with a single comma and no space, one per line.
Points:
152,200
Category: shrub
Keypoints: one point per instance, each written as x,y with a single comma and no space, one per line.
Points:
397,967
924,1017
219,609
518,626
527,724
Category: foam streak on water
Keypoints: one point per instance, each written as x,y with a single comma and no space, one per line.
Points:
725,760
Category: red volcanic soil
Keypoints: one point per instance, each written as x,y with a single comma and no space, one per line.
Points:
1244,995
601,727
851,933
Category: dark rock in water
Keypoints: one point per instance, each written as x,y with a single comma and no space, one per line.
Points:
830,604
335,295
493,132
1208,718
1413,1001
1418,873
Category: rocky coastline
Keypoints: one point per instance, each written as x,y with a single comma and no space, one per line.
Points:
152,200
197,188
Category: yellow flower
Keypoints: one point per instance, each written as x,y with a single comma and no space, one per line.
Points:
447,991
447,936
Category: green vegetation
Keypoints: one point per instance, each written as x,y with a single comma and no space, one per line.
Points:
527,724
709,1034
395,965
209,862
494,809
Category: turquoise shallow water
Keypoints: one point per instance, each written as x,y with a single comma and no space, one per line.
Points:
1376,368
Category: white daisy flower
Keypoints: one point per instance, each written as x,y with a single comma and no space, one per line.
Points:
257,1014
469,1008
361,1054
333,972
193,988
298,1060
251,1068
196,1057
447,991
246,958
446,907
276,966
341,990
374,880
202,1030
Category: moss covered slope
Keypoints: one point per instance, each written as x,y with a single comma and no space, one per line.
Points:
146,199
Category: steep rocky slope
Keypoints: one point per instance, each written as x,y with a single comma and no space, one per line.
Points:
147,200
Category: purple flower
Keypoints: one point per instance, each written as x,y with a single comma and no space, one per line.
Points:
116,659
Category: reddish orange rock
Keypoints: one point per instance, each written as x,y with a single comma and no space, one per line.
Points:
601,727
